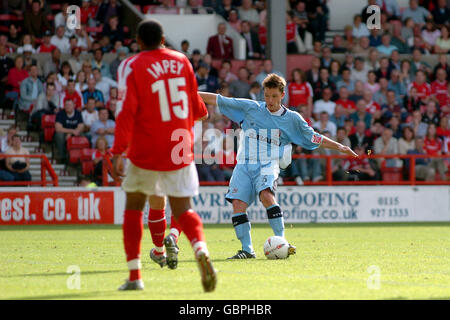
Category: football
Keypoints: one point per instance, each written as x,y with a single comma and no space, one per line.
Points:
276,248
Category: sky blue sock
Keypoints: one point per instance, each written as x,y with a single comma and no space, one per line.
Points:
276,220
242,228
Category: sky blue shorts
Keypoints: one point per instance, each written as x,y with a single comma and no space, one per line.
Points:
248,180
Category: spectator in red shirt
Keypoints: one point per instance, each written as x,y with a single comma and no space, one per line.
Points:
72,94
433,147
439,87
443,131
15,77
46,46
101,153
300,91
358,168
348,105
423,88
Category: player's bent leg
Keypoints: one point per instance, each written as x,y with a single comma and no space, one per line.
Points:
192,226
242,228
132,235
157,227
275,215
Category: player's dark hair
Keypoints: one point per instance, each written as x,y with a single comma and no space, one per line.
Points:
274,81
150,32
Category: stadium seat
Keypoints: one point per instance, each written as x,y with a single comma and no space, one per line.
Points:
86,154
10,17
87,167
392,174
74,156
48,126
78,143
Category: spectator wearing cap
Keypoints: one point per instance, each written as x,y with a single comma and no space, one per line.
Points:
35,22
60,41
122,53
205,81
28,59
220,46
46,46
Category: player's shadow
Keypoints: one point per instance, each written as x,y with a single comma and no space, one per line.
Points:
53,274
80,295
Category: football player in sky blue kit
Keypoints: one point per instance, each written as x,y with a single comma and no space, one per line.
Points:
268,129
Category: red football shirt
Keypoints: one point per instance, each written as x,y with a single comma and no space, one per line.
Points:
439,90
160,105
372,107
75,96
423,90
347,104
299,93
432,147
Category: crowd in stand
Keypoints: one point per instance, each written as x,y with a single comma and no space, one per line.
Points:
373,100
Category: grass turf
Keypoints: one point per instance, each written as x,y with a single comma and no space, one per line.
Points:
333,261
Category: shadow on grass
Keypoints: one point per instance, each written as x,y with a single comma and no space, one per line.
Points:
228,226
65,274
76,296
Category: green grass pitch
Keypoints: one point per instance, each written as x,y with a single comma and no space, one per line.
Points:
411,261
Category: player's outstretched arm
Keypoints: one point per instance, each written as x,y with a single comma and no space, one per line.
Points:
208,97
331,144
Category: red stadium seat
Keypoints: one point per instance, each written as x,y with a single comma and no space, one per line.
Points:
86,154
94,29
392,174
48,134
48,121
87,167
78,143
10,17
74,156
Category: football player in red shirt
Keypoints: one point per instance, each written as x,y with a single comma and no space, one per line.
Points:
154,123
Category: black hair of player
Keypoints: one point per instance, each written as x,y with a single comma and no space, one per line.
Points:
150,33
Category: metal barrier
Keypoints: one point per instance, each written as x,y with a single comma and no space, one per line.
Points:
45,166
328,181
